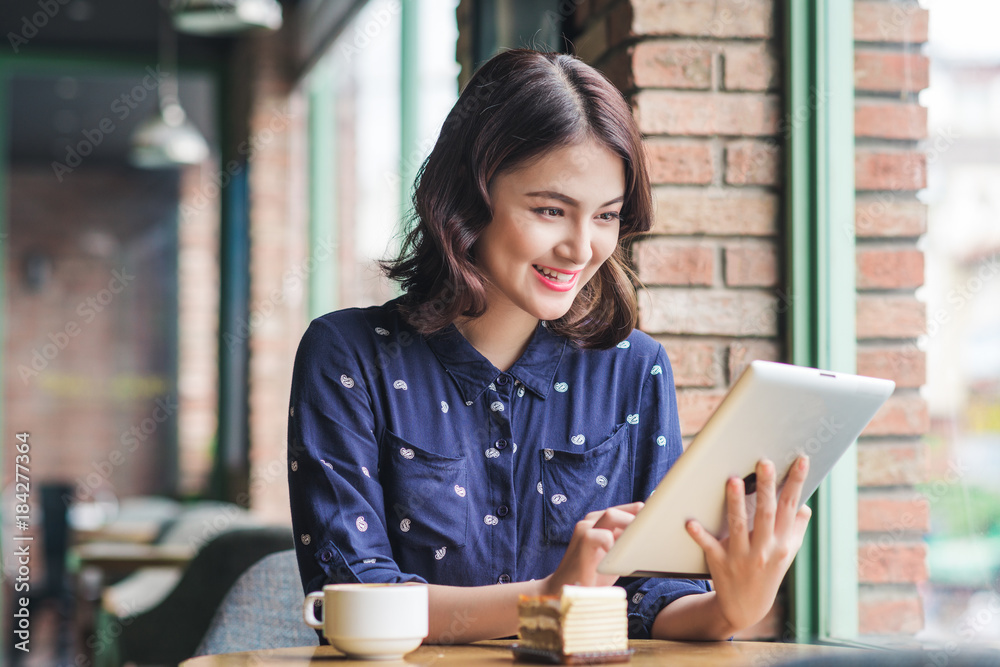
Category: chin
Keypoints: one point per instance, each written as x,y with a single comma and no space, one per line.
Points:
550,314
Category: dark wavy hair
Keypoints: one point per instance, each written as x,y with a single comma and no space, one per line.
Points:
517,106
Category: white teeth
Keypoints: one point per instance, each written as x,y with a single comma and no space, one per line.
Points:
554,275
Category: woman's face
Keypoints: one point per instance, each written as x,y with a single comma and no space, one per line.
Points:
555,221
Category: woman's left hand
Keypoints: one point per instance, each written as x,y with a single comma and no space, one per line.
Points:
747,566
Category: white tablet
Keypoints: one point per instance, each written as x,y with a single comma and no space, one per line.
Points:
775,411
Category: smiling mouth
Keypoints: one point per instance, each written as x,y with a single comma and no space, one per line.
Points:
556,276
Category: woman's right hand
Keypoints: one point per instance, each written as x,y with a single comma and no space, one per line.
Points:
592,538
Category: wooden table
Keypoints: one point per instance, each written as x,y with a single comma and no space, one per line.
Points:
127,557
647,653
133,532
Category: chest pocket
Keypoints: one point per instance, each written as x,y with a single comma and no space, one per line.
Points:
426,503
575,483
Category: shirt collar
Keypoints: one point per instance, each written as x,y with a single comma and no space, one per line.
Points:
473,372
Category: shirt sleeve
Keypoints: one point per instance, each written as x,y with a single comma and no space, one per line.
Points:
338,513
658,446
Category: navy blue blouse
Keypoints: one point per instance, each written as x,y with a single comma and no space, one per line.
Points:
413,458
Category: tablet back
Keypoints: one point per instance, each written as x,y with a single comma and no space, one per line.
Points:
775,411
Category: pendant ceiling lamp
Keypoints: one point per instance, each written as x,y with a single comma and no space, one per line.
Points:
167,138
222,17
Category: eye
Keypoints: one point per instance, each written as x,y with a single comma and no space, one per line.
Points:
609,216
549,211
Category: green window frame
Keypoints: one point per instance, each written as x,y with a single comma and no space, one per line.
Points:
820,263
324,212
323,287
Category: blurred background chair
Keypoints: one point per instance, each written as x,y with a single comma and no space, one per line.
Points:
137,519
151,603
154,570
133,627
262,610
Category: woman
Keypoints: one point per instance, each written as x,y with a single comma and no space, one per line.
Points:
495,429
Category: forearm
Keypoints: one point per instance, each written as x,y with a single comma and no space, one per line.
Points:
695,616
459,614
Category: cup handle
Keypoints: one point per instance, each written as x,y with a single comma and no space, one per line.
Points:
309,609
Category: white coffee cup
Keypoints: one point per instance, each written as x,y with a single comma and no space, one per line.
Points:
371,621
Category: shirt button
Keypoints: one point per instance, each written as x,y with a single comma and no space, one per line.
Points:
502,380
503,510
326,556
500,444
503,578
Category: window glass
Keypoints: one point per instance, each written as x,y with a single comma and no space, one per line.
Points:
362,72
962,291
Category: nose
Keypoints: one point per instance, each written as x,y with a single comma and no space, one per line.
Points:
576,245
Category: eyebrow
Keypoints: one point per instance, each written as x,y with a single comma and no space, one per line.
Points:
550,194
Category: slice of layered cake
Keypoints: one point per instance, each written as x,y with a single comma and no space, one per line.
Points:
586,624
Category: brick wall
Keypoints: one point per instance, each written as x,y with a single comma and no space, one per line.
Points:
117,372
197,326
89,351
705,83
890,167
279,261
